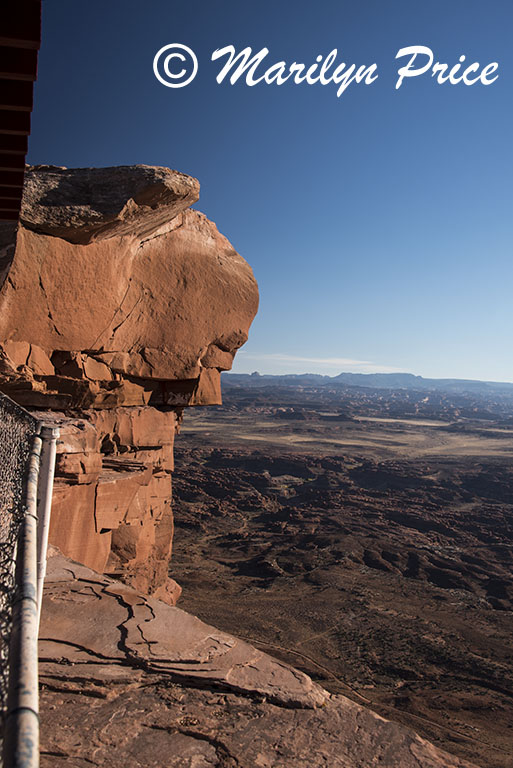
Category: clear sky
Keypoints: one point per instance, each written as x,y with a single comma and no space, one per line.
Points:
379,224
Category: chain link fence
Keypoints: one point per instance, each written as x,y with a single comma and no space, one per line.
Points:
17,431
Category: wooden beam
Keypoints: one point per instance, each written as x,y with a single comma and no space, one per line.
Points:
20,24
16,94
9,162
11,193
18,63
9,205
11,179
17,123
16,145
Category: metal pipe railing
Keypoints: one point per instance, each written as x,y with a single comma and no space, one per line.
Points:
21,723
49,437
21,733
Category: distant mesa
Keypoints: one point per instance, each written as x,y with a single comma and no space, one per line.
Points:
373,380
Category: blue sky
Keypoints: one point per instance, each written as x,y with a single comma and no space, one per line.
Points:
379,224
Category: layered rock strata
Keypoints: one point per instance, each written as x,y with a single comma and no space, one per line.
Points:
119,306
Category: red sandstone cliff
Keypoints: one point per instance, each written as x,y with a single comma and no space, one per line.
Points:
119,306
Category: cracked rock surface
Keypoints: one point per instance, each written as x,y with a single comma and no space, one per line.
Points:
127,680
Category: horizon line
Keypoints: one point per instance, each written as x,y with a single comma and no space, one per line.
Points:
368,373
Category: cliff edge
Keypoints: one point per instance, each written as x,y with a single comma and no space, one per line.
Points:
143,684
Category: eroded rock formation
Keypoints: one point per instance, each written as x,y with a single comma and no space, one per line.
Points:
119,306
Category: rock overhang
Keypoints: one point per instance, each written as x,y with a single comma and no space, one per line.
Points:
120,291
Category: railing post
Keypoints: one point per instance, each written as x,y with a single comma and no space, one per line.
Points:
49,437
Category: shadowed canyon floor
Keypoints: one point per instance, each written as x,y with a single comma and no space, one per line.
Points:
366,538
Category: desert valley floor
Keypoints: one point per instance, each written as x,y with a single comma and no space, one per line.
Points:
366,538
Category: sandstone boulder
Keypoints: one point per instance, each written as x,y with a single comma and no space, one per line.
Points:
85,204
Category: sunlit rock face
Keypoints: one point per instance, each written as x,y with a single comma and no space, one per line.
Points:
112,298
119,305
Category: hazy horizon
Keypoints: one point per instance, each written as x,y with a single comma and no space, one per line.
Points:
235,370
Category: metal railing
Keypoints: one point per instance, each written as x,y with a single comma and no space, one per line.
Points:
27,460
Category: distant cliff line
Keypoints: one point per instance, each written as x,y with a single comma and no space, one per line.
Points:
370,380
